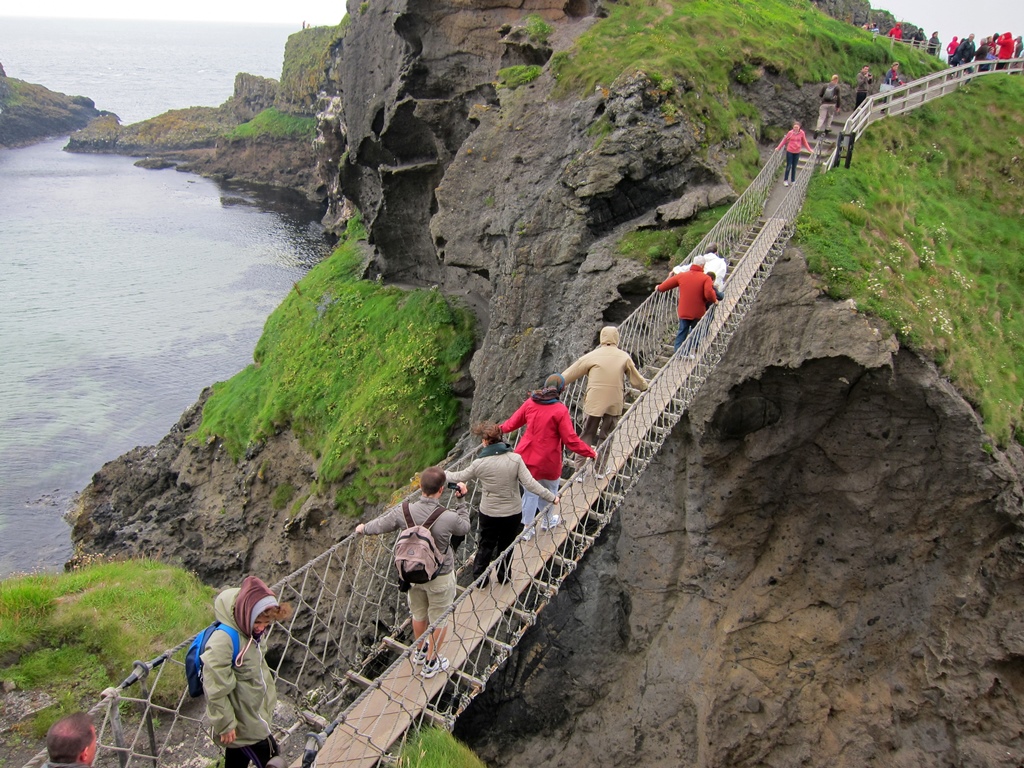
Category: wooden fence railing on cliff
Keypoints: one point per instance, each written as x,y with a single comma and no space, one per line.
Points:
914,94
343,662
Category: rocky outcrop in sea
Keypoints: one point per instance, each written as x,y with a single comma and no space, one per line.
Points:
31,112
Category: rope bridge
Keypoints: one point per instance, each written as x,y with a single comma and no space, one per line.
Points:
347,688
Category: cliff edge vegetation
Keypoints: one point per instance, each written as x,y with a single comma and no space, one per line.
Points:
924,231
31,112
714,60
362,373
66,637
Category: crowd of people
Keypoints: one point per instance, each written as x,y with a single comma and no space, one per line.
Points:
994,48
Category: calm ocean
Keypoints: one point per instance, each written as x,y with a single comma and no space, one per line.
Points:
123,292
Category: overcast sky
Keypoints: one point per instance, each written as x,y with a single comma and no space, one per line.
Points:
949,17
291,12
956,17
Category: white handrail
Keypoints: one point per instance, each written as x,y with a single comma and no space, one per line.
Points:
905,98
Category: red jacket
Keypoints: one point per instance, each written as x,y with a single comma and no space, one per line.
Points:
1005,43
548,428
696,291
896,33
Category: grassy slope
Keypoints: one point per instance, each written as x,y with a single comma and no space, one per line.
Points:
306,59
75,634
925,231
360,372
271,123
436,748
700,51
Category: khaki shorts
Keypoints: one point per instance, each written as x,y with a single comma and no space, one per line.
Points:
428,602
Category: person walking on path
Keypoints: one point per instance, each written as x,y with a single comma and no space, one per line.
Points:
606,369
240,691
428,602
696,293
793,141
500,472
829,96
951,49
548,429
864,82
71,742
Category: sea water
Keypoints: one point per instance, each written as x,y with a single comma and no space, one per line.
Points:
123,292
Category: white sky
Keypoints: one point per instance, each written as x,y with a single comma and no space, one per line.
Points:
949,17
315,12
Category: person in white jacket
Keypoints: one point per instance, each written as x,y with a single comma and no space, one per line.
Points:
713,264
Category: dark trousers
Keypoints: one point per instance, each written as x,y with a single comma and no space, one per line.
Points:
258,754
792,158
861,95
496,534
597,428
685,326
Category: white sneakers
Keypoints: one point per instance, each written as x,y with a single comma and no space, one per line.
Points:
433,666
419,655
551,519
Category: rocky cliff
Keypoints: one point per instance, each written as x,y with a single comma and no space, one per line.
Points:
822,567
819,568
31,113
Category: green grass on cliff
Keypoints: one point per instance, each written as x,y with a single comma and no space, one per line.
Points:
74,634
307,56
436,748
362,373
925,231
650,246
700,51
271,123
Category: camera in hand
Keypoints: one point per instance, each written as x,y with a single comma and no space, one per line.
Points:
453,486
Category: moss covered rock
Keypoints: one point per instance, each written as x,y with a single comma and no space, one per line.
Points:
30,112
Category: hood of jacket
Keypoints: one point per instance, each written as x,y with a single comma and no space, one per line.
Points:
610,335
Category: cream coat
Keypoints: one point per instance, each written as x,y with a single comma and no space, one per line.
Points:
500,476
605,369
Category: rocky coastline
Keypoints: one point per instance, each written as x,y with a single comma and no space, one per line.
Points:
30,113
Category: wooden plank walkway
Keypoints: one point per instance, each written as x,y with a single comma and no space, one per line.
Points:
401,696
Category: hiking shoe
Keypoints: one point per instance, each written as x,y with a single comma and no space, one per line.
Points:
550,521
432,666
785,183
419,655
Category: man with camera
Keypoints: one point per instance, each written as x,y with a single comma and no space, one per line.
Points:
428,601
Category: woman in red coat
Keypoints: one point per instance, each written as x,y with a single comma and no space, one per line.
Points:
548,428
1005,44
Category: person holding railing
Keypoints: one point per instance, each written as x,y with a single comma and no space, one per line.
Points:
794,141
607,367
696,294
892,78
896,33
500,471
428,601
934,44
548,428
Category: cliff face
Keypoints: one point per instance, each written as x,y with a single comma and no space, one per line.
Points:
822,567
31,113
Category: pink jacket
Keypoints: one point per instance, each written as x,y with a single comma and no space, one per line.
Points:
548,428
794,140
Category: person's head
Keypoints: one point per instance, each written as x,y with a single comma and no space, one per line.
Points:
835,78
796,125
610,335
72,739
432,480
895,65
712,248
555,381
488,431
935,34
256,607
865,69
699,261
970,36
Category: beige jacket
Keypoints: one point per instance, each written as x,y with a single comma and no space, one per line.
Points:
500,474
605,369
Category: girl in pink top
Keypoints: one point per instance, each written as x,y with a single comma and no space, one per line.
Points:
795,140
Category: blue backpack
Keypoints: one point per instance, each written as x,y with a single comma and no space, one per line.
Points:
194,660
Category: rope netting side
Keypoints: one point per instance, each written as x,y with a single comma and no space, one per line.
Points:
350,633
